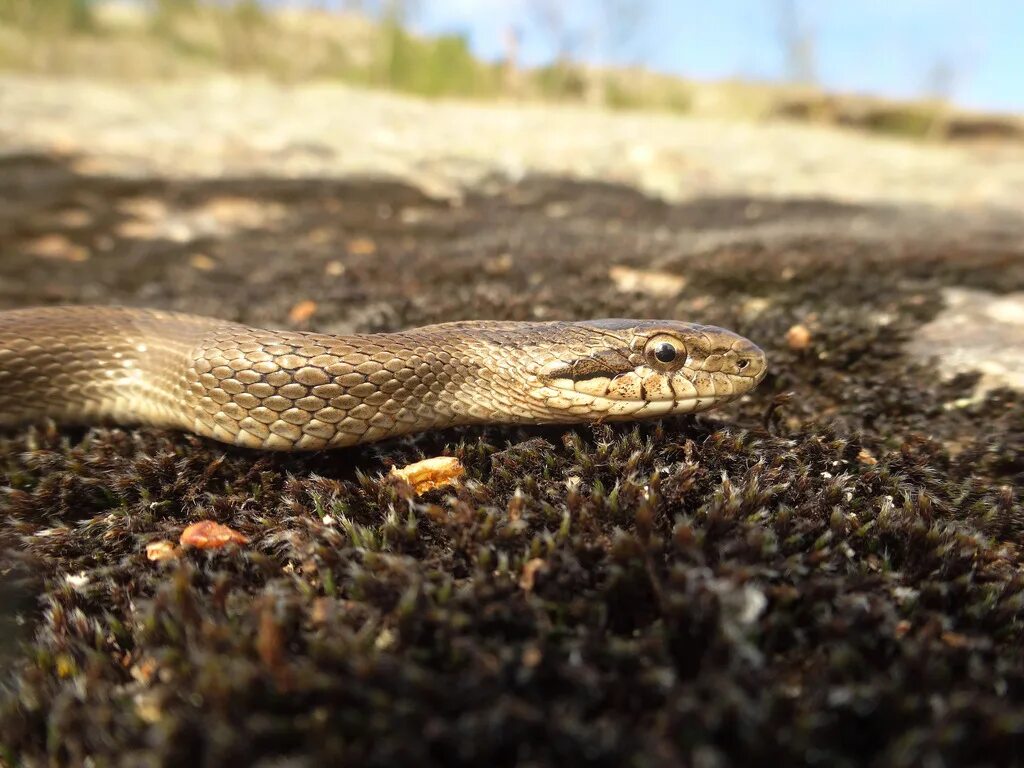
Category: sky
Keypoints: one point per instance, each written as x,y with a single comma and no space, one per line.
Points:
969,50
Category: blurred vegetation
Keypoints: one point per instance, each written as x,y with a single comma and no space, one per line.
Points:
619,93
174,38
914,120
52,17
166,38
442,66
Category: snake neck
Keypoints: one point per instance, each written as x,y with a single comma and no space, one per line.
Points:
305,391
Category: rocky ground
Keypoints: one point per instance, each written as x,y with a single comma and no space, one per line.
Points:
827,572
213,128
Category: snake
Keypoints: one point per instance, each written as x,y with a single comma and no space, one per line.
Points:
289,390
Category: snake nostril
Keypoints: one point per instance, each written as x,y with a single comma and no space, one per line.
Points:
742,364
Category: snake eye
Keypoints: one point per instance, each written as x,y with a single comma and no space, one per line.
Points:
663,351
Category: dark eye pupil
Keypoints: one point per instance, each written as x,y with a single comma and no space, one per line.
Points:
665,352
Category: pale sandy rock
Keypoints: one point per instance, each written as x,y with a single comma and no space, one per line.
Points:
978,332
232,126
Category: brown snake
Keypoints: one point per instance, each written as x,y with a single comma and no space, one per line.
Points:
297,391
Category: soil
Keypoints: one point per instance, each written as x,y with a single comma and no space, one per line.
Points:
827,572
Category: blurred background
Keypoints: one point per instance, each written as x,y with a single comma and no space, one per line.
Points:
746,58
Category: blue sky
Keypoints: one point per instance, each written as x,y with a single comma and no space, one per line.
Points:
885,47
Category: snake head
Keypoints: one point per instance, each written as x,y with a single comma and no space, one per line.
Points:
628,369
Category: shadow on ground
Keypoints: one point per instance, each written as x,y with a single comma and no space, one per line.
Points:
827,576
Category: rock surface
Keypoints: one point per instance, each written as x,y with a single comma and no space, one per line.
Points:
978,331
231,127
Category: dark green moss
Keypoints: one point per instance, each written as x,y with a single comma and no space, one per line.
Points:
830,577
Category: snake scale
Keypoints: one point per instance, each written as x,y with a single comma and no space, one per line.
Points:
298,391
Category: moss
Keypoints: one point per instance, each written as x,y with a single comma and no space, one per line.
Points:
735,588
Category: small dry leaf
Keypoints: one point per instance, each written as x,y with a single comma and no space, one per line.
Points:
334,269
428,474
650,282
530,571
207,534
362,246
202,262
57,247
865,457
158,551
302,311
798,337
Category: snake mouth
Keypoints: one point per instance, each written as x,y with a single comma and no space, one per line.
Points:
591,407
636,395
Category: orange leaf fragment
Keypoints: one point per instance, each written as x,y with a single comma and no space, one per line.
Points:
430,473
866,457
302,311
202,262
362,246
207,534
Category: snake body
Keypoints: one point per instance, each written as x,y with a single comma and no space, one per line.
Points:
295,391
